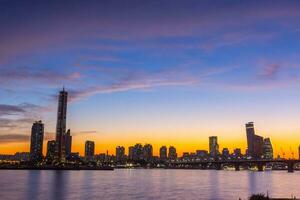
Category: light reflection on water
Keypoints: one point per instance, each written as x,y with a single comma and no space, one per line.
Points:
145,184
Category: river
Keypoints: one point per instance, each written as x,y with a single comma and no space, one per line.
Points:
145,184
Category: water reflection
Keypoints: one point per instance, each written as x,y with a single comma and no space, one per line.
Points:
59,188
34,181
145,184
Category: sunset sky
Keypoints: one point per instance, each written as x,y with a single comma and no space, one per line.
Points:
159,72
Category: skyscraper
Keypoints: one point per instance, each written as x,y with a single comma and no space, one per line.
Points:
131,152
147,152
172,153
120,154
258,147
268,149
36,144
163,153
299,152
68,143
61,125
213,146
255,142
89,150
51,145
138,152
250,137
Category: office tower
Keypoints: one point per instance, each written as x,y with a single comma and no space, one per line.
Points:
68,142
172,153
138,152
268,149
163,153
36,144
225,153
51,146
299,152
147,152
255,142
250,137
213,146
258,146
61,125
89,150
120,154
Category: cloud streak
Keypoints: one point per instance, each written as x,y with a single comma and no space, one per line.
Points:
12,138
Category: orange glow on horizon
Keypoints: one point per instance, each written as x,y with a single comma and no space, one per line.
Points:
181,145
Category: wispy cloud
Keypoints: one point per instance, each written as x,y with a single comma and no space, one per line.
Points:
27,75
140,80
10,138
10,110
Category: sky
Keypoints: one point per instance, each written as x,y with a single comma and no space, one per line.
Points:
159,72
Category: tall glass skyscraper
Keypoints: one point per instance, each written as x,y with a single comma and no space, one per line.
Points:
255,142
61,125
36,143
250,137
213,146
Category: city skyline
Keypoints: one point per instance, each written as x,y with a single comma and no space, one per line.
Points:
175,75
63,140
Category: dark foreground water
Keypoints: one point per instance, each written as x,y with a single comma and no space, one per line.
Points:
145,184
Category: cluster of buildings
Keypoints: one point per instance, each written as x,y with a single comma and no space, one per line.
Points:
60,149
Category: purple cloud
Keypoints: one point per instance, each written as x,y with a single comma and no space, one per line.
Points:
111,21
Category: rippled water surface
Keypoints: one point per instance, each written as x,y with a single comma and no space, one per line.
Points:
145,184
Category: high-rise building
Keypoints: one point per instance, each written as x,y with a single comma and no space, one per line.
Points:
36,144
258,146
120,154
147,152
89,150
68,143
163,153
131,152
250,138
61,125
225,153
299,152
213,146
255,142
268,149
51,146
138,152
172,153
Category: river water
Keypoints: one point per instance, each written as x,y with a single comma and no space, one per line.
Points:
145,184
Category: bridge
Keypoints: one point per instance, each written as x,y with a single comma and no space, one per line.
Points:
217,164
